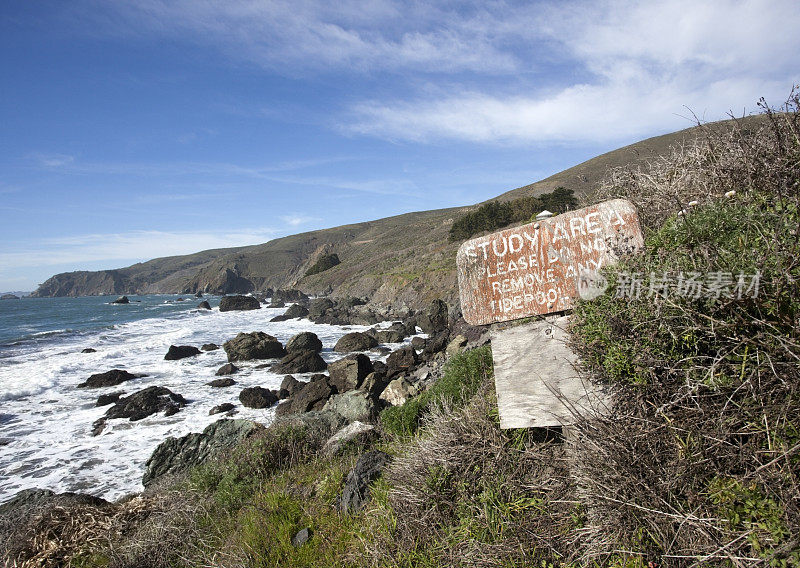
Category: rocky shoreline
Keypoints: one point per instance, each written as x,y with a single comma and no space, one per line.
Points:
342,399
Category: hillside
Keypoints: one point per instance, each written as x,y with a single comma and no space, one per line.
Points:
378,259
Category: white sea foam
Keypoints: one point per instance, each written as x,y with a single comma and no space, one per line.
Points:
46,422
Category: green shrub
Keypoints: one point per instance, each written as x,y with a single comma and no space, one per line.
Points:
463,374
496,215
323,264
696,458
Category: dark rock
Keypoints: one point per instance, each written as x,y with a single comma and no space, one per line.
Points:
389,336
417,343
476,335
229,281
204,305
255,345
379,367
142,404
278,304
401,360
289,296
220,408
312,396
374,384
355,341
436,344
300,362
295,311
227,369
257,397
305,341
176,455
234,303
221,383
88,350
106,399
348,373
351,302
177,352
301,537
122,300
109,379
318,306
434,320
198,295
289,386
356,488
9,297
209,347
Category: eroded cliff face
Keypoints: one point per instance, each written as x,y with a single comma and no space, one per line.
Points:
84,283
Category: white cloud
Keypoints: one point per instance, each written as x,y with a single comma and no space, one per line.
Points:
143,245
640,67
314,34
503,71
54,160
297,219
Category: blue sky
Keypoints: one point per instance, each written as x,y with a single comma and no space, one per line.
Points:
132,130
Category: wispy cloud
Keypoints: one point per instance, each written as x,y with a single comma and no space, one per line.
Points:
313,34
134,245
296,220
53,160
638,67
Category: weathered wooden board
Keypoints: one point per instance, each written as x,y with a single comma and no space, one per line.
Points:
539,268
535,377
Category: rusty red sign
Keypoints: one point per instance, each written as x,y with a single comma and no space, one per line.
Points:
539,268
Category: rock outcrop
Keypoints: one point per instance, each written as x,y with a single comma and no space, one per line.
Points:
175,455
254,345
238,303
110,378
142,404
305,341
356,488
348,373
355,341
257,397
300,362
177,352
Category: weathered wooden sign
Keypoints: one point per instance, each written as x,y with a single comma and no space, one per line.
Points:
541,267
536,378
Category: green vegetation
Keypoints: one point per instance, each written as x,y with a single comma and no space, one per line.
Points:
323,264
496,214
463,375
707,384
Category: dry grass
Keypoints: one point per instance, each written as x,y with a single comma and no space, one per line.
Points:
699,464
145,530
465,493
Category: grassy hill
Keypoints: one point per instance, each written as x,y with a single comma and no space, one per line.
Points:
378,260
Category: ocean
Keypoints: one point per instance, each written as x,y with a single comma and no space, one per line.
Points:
46,422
